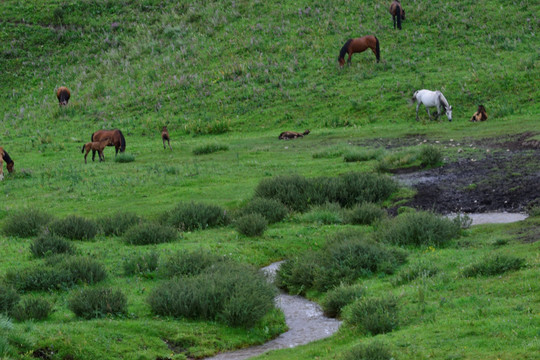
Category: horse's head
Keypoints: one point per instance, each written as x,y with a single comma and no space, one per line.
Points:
164,128
10,167
341,61
306,132
449,113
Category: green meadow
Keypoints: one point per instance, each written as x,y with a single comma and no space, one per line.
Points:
226,78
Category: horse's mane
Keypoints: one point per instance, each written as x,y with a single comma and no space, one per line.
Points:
122,141
344,49
443,100
6,157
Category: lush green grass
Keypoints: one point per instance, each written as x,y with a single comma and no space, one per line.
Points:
238,73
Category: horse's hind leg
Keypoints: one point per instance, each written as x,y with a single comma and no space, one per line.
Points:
394,18
169,142
85,155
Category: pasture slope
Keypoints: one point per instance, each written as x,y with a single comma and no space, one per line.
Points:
236,74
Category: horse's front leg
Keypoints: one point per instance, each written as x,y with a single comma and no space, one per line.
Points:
85,155
93,155
417,107
349,59
428,114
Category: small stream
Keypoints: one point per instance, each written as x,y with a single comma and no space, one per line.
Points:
304,318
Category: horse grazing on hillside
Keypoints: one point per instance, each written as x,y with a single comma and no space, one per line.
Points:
4,156
397,13
98,146
165,137
432,99
480,114
63,95
116,139
358,45
288,135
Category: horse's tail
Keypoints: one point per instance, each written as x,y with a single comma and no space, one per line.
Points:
344,49
92,137
122,142
377,50
398,13
82,150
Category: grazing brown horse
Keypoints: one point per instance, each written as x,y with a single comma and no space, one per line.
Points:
480,114
63,95
396,9
288,135
9,163
358,45
116,139
165,137
98,146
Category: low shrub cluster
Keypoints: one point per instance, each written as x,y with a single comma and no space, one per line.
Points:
251,225
362,155
411,272
373,351
364,214
149,233
49,244
339,297
26,223
98,302
31,309
74,227
374,315
272,210
201,127
195,216
190,263
209,149
494,265
8,299
430,156
142,263
118,224
232,293
327,214
124,158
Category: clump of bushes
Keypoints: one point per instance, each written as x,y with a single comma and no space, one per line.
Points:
411,272
494,265
186,263
149,233
26,223
118,224
8,299
251,225
373,351
362,155
31,309
232,293
81,268
365,214
339,297
419,229
430,156
290,190
98,302
374,315
49,244
209,148
142,263
74,227
195,216
272,210
330,213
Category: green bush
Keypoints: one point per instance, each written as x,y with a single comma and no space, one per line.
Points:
374,315
96,303
82,269
26,223
430,156
50,244
209,148
146,234
339,297
365,187
362,155
290,190
195,216
373,351
494,265
124,158
189,263
272,210
142,263
327,214
419,229
118,224
235,294
365,214
74,227
39,278
251,225
421,269
8,299
31,309
297,275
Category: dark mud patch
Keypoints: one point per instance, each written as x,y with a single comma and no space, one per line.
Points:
528,234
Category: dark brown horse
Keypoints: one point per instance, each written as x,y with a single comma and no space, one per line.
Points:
4,156
480,114
165,137
358,45
116,139
396,9
63,95
98,146
288,135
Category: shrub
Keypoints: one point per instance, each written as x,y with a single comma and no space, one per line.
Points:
124,158
272,210
340,297
118,224
95,303
26,223
32,308
83,269
329,153
494,265
142,263
419,229
330,213
184,263
364,214
430,156
195,216
251,225
209,148
8,299
74,227
290,190
421,269
374,315
297,275
374,351
39,278
146,234
362,155
50,244
365,187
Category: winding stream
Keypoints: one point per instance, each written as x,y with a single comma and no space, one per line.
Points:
304,318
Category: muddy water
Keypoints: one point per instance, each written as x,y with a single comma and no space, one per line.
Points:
494,218
304,318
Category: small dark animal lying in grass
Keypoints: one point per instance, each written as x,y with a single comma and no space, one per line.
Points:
63,95
287,135
96,146
480,114
165,137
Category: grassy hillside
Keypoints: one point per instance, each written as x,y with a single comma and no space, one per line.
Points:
236,74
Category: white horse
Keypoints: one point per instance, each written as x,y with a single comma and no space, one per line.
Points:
432,99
